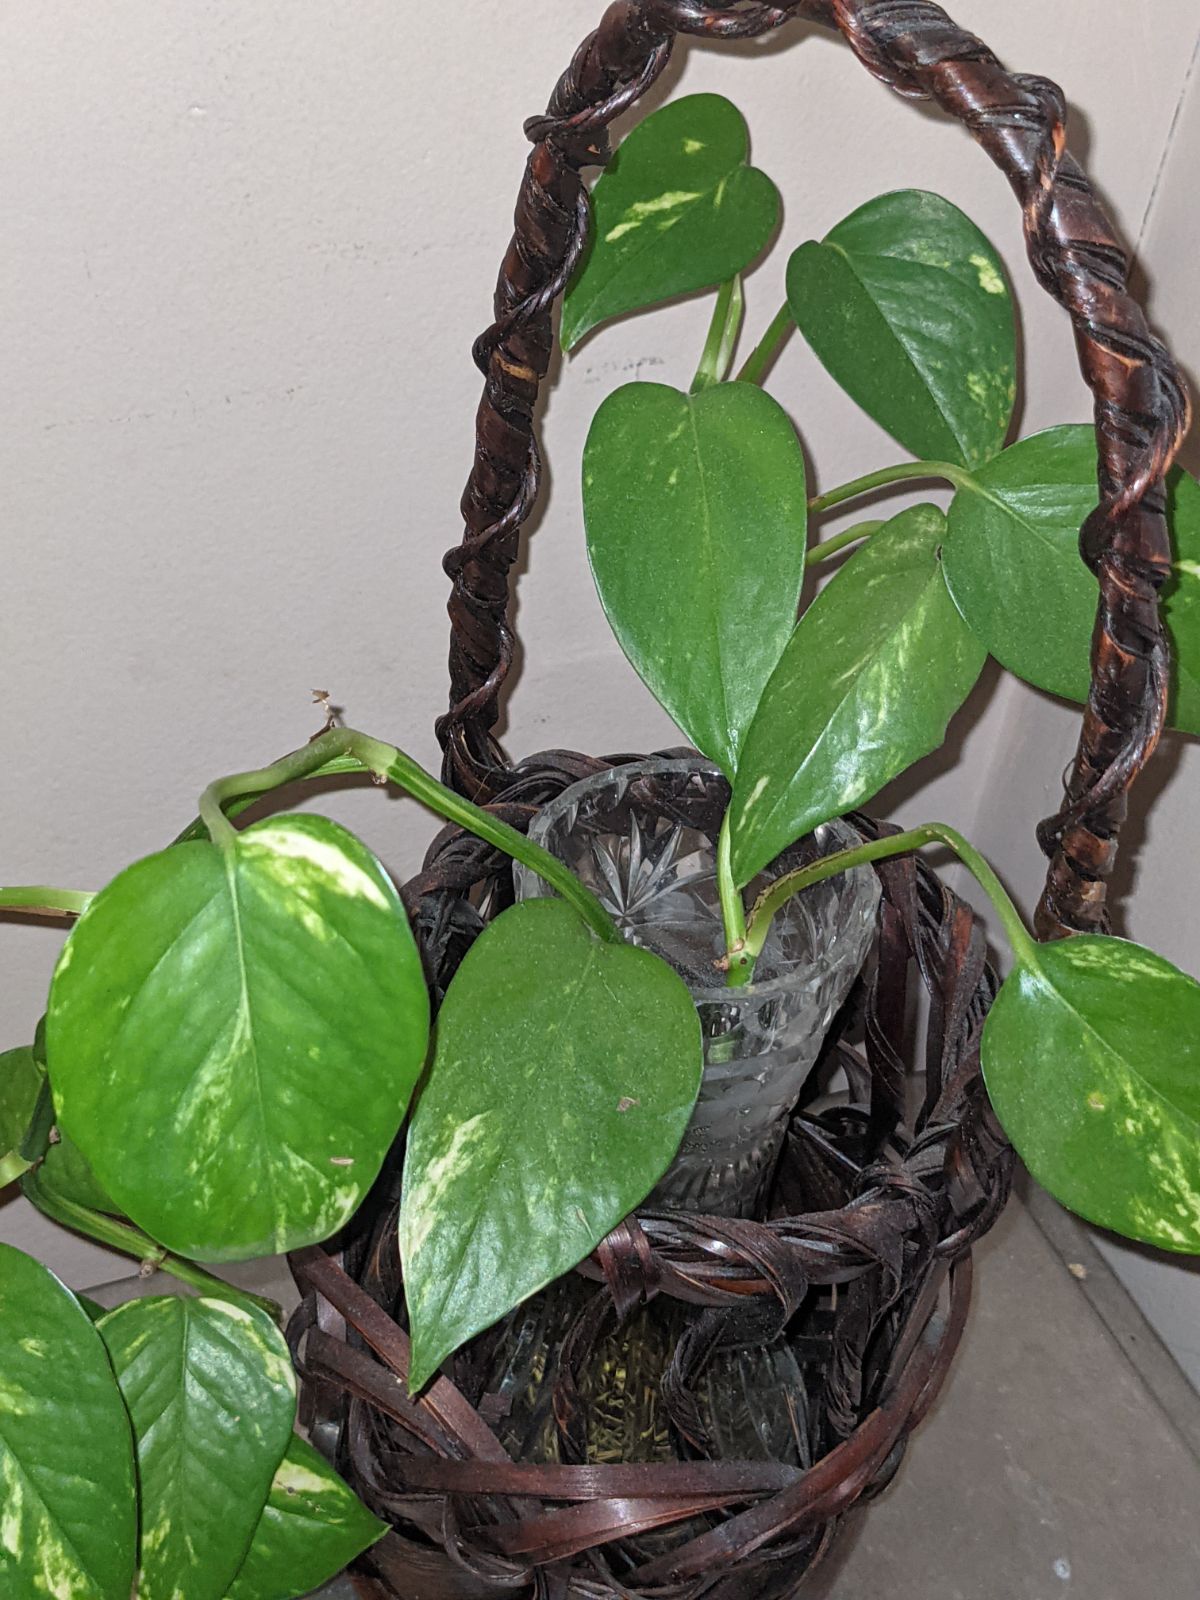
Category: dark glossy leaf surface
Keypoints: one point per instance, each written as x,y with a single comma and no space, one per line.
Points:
68,1511
696,513
212,1397
563,1078
312,1526
234,1037
677,210
874,671
37,1136
1091,1055
66,1174
21,1081
907,306
1013,566
1012,561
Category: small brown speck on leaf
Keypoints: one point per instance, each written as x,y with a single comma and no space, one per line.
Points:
627,1101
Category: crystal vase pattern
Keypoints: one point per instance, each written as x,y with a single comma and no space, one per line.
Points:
642,838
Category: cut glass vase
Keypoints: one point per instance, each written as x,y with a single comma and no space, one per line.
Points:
643,838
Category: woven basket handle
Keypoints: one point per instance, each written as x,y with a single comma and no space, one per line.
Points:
1141,406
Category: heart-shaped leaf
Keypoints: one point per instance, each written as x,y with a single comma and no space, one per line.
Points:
1012,560
68,1517
678,210
212,1396
21,1080
696,513
564,1075
311,1527
874,671
1012,564
1091,1055
906,305
234,1034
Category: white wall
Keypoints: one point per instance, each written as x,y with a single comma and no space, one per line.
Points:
246,250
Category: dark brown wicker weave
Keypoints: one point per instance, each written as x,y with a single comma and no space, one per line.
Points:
873,1213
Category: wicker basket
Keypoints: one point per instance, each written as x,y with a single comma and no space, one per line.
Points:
878,1277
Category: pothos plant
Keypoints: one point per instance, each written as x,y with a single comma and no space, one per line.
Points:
238,1026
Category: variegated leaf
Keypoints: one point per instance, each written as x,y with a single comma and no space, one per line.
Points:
1013,566
696,513
311,1527
68,1507
563,1078
1091,1055
676,211
874,671
234,1034
212,1397
906,303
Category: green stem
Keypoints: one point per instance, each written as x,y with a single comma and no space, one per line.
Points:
386,762
37,900
133,1242
722,336
764,352
339,766
880,480
782,890
733,912
839,541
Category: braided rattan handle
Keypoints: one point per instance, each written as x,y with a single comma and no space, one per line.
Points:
1141,405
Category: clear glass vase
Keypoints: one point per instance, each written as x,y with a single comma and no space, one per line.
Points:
643,838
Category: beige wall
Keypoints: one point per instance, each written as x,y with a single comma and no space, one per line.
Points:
246,250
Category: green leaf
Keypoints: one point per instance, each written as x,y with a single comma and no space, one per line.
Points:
1012,564
311,1527
37,1136
563,1078
68,1509
677,210
874,671
906,305
1012,558
1091,1055
36,1140
696,513
234,1036
21,1082
67,1175
212,1397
